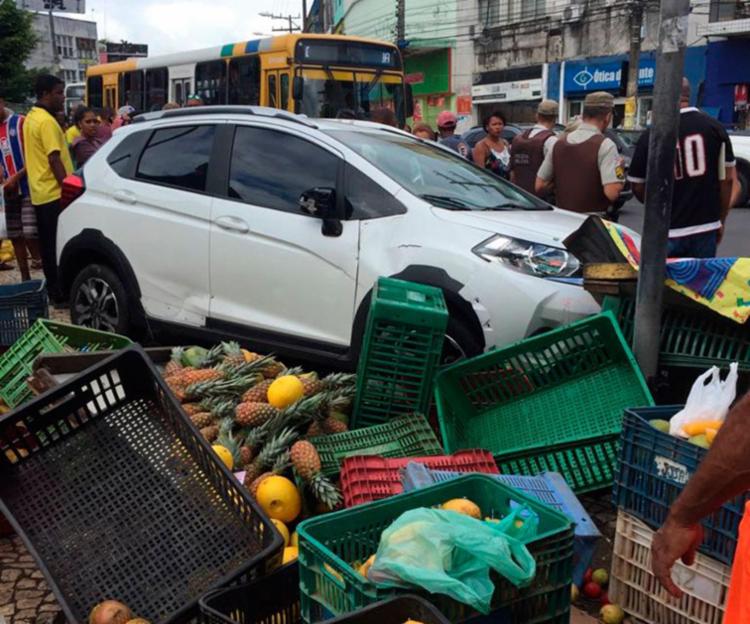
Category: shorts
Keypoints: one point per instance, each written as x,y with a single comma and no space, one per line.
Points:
20,218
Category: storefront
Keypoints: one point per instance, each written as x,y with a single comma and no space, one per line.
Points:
429,74
514,93
727,79
610,74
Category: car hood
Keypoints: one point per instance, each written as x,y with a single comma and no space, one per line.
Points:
549,227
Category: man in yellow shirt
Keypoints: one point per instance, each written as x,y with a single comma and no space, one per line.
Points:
47,163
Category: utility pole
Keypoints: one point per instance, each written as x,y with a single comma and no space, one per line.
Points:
636,25
401,23
304,15
52,35
662,144
291,27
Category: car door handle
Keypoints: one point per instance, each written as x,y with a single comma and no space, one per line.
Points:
234,224
124,197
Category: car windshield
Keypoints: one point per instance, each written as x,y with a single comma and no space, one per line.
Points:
435,174
349,94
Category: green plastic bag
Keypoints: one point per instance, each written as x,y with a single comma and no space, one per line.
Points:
446,552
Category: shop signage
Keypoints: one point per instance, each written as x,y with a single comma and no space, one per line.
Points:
583,77
415,78
508,91
58,6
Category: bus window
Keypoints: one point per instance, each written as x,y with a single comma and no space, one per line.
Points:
156,88
94,92
272,102
131,89
284,83
244,81
211,82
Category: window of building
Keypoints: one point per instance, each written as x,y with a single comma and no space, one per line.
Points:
489,12
267,168
244,80
211,82
575,108
70,75
532,8
64,45
178,157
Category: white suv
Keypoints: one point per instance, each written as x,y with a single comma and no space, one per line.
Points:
271,229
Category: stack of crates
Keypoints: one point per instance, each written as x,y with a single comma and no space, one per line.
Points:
401,351
653,470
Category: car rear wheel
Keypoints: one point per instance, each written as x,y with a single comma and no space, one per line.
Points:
98,299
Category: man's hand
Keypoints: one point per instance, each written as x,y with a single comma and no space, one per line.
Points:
672,542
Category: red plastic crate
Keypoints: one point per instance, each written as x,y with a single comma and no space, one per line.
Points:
367,478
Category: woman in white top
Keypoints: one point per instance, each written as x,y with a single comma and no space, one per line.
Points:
493,151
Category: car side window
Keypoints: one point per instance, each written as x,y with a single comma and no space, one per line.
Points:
366,199
272,169
178,157
121,158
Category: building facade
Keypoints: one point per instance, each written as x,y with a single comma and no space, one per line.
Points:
111,52
74,42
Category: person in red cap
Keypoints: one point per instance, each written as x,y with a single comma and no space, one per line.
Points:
446,123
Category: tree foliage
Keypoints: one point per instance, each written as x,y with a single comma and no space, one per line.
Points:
17,40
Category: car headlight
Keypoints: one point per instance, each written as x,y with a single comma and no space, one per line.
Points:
527,257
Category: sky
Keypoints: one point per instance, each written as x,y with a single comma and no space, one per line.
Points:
177,25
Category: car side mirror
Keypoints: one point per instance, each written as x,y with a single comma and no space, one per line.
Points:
298,88
321,202
409,101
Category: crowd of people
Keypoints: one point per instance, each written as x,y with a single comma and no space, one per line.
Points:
579,169
37,152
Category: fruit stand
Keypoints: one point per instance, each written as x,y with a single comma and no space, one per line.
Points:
191,484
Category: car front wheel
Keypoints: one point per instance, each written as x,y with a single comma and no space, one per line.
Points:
98,299
460,343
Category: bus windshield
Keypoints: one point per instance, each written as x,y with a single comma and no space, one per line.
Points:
351,94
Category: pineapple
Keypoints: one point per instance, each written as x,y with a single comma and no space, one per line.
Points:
197,376
306,462
233,355
314,430
273,369
246,455
192,408
333,425
175,363
305,459
212,357
210,433
254,414
270,454
228,441
311,384
258,393
202,419
215,388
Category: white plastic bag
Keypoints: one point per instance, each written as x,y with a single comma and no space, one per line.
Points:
709,399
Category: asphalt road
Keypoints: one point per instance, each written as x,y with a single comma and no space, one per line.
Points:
736,232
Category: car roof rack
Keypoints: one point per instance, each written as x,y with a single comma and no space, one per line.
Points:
194,111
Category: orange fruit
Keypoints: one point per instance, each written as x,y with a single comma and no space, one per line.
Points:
290,554
284,391
464,506
281,528
224,454
279,498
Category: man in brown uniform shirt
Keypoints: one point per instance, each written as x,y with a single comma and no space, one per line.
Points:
531,146
584,166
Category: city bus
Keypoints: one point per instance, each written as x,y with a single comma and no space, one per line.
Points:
316,75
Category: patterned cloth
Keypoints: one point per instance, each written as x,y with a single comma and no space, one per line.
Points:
721,284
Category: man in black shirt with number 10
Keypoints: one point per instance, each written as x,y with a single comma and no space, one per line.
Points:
704,181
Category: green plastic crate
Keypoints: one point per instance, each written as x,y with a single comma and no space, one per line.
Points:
46,336
328,544
401,351
690,338
553,402
407,436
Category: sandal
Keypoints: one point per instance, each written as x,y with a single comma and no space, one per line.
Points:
6,266
36,265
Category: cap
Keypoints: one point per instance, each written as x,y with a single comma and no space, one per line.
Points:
600,98
548,108
125,110
447,119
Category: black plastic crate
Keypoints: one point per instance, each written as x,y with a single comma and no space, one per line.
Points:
116,495
21,305
270,599
274,599
652,472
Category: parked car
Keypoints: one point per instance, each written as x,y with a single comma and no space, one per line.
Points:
269,228
472,136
